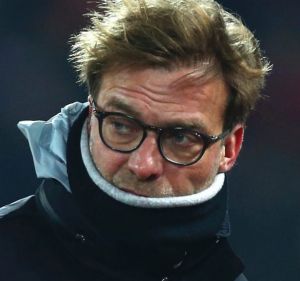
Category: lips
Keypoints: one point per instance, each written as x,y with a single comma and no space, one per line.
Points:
133,192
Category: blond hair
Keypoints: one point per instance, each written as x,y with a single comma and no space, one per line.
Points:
168,33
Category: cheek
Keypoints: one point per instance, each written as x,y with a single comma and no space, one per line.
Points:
195,177
109,162
200,176
192,176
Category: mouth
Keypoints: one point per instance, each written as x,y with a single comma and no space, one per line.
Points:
134,192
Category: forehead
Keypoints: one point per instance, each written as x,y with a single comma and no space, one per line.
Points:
159,95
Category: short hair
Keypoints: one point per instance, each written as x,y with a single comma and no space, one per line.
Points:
169,33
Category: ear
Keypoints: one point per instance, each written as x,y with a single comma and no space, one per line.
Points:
90,101
231,148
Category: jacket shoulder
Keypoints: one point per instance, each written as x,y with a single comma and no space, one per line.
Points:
23,205
20,229
25,244
29,248
241,277
18,219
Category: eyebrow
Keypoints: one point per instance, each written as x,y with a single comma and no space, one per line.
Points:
126,108
191,125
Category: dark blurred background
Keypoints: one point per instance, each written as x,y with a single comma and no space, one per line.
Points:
37,80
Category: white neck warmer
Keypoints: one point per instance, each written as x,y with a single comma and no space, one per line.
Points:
140,201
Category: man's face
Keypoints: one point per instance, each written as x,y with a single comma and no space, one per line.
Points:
155,97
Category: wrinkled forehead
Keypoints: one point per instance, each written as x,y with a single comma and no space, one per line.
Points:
190,72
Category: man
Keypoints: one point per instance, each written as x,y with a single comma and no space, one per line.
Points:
134,180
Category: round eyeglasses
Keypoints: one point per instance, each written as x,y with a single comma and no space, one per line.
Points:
180,146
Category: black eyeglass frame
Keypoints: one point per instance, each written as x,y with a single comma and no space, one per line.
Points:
208,140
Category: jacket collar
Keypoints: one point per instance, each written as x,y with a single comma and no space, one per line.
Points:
48,140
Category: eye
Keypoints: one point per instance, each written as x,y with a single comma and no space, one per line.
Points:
180,138
181,145
123,127
120,127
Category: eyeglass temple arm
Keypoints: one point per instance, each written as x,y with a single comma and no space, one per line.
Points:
219,137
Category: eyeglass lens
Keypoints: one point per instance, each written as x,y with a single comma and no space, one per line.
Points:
121,133
181,145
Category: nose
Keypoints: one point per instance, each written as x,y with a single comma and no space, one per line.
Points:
146,162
